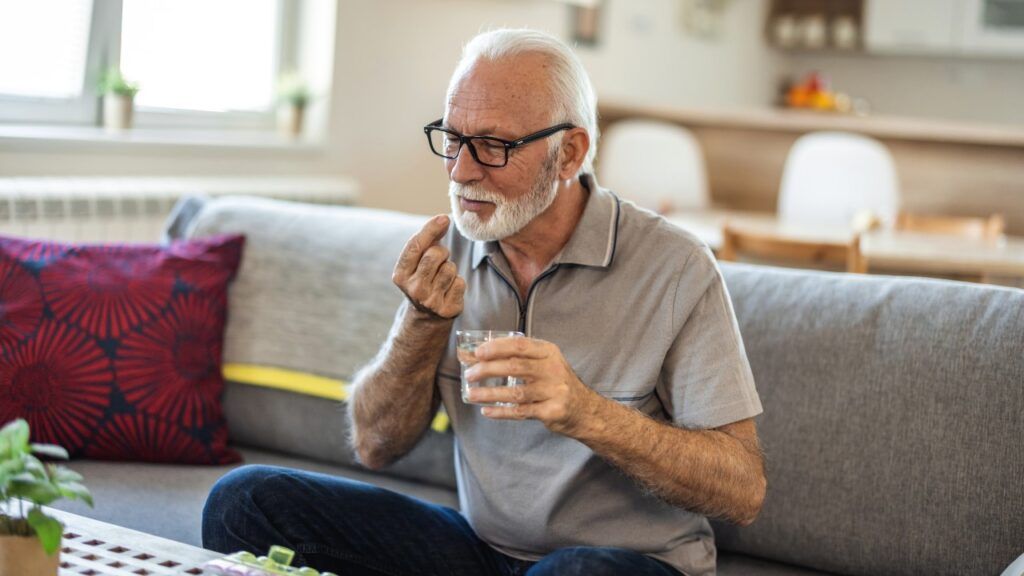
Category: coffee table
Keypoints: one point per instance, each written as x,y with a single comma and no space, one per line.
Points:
94,548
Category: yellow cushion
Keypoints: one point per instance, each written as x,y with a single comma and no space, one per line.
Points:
303,383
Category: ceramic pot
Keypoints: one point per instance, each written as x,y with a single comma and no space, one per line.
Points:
117,112
24,556
289,119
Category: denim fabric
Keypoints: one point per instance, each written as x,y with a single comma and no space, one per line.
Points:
353,528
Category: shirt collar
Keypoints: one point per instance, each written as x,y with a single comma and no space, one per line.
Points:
593,241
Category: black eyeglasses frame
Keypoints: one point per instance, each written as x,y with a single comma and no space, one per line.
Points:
506,144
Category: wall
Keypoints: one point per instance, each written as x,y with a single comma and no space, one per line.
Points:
648,57
984,90
392,63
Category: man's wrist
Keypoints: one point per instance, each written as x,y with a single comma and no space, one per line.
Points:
420,333
591,420
427,320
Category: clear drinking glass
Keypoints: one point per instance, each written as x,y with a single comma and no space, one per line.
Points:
468,340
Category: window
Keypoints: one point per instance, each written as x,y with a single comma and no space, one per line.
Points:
198,63
43,48
224,63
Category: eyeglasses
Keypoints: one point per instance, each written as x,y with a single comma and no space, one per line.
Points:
486,150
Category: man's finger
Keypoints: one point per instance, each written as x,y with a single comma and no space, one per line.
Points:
446,274
517,412
456,291
518,367
514,346
430,264
430,234
521,394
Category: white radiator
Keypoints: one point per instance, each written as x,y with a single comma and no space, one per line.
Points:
133,209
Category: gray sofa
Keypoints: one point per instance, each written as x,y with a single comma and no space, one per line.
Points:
893,420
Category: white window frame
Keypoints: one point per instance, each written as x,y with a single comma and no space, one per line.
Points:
104,51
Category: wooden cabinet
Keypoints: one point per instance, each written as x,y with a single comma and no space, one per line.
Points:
815,24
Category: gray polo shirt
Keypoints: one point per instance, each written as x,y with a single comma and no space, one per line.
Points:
638,308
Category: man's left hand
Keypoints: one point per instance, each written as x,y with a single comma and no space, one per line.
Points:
550,391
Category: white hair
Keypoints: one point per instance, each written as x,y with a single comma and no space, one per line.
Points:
570,85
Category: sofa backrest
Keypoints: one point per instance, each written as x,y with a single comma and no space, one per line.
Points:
314,291
893,422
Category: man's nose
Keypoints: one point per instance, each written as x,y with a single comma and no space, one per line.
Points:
465,169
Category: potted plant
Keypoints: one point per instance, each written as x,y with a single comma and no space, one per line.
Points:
29,538
118,100
292,97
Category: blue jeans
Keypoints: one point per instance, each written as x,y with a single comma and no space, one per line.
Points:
352,528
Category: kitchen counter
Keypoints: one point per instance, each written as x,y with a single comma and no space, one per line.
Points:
789,120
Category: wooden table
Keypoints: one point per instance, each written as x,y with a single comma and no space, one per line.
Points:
94,547
885,250
937,254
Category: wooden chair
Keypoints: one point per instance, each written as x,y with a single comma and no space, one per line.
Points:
790,252
989,228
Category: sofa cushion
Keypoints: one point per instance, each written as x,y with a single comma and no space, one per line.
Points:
167,499
114,351
740,565
128,495
316,428
892,421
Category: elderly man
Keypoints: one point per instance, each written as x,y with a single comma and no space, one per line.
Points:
633,420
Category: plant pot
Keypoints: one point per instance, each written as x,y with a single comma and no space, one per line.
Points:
117,112
24,556
289,119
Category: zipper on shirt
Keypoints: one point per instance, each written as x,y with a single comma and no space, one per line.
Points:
529,296
520,308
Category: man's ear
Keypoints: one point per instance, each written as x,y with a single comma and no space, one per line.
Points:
575,144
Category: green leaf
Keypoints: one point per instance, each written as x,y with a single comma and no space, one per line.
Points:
51,450
35,466
62,474
26,477
16,433
75,491
12,467
37,491
113,82
47,528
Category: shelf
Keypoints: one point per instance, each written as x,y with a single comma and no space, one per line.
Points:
800,121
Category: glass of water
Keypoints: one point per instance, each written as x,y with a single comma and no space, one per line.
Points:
468,340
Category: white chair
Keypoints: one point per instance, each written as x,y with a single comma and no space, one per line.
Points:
831,178
658,165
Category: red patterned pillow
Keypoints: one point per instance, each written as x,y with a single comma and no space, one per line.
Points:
114,351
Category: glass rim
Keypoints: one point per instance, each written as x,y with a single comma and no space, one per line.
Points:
491,333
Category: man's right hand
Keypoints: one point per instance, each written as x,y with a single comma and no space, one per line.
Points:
425,274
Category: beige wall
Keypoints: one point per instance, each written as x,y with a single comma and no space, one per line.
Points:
393,59
984,90
392,63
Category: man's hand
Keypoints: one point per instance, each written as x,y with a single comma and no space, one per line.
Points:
551,392
718,472
425,274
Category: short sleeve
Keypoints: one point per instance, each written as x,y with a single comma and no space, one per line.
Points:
706,380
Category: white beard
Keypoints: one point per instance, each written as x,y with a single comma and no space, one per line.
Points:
509,216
